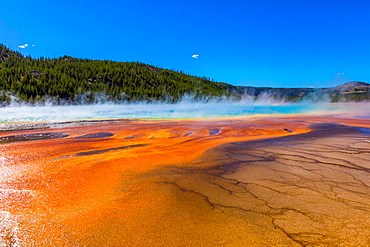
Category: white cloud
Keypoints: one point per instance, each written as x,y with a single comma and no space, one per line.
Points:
340,73
24,46
195,56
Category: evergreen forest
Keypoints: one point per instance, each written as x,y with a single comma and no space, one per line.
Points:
76,81
88,81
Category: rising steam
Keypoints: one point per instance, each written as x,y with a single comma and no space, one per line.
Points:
187,108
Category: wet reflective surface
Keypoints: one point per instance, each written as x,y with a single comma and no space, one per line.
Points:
188,183
31,137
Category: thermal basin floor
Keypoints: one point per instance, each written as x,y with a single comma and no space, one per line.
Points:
283,181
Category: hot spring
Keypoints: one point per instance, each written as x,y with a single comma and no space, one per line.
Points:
181,110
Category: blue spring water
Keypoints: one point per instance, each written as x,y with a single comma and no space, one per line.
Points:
182,110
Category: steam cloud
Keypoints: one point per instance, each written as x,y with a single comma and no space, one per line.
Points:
185,109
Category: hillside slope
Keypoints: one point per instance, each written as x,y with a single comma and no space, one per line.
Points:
87,80
351,91
76,81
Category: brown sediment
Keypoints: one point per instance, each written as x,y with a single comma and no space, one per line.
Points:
101,151
31,137
95,135
250,184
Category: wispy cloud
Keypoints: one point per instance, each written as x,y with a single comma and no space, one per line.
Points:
23,46
339,73
195,56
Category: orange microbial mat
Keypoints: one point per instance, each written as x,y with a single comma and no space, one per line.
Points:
221,182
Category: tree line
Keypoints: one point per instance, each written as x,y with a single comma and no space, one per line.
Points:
75,80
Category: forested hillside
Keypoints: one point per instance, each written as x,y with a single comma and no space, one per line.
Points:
77,80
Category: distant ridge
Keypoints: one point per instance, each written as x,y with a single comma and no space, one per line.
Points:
79,81
352,85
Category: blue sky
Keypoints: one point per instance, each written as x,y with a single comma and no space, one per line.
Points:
296,43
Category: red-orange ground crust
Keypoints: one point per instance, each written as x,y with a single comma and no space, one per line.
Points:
51,164
59,197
